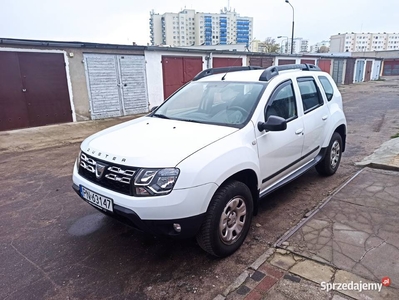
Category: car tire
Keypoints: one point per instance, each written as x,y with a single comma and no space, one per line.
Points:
330,163
228,219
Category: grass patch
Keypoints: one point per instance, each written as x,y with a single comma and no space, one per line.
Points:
395,136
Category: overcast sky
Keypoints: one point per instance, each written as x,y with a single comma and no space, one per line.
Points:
124,22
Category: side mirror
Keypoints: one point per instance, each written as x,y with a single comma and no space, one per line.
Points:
153,108
273,123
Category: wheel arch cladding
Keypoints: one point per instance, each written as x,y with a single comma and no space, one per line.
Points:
342,132
250,179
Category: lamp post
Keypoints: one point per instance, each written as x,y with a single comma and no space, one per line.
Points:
283,36
293,25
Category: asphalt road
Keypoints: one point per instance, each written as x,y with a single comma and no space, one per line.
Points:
55,246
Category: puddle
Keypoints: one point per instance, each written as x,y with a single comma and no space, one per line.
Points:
87,225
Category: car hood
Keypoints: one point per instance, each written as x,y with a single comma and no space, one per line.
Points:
152,142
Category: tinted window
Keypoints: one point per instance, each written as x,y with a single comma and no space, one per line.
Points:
282,103
328,89
310,95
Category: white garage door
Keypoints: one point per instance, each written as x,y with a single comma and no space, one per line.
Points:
116,85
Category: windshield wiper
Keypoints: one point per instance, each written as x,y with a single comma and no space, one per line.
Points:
161,116
193,121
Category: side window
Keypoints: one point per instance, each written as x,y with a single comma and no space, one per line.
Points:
282,103
328,88
311,98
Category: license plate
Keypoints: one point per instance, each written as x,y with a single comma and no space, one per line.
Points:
96,199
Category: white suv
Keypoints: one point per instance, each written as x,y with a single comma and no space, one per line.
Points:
198,164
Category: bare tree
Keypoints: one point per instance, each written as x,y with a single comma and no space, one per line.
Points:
269,45
323,49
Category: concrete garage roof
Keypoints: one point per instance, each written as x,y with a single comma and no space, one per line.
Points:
85,45
89,45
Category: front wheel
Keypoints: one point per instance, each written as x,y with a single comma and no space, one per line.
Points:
228,220
330,163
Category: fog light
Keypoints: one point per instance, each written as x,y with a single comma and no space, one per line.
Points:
176,227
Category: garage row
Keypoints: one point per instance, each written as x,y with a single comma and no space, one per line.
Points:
44,83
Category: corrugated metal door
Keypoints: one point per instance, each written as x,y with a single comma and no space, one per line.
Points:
367,76
116,84
359,71
133,83
324,65
103,85
391,67
376,70
350,70
282,62
263,62
177,71
308,61
33,90
338,71
219,62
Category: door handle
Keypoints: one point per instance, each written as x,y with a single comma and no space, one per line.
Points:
299,131
324,118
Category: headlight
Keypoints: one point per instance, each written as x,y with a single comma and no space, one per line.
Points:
78,159
153,182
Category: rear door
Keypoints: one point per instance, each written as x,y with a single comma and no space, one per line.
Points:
316,114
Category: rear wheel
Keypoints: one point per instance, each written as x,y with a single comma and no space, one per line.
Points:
330,163
228,220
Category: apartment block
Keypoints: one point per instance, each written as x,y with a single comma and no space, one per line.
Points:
190,28
300,46
352,42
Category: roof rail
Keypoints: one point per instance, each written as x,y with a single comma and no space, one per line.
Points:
272,71
213,71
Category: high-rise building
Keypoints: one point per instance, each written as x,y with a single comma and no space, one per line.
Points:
300,46
352,42
188,28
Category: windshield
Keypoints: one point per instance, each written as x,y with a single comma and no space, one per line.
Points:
220,102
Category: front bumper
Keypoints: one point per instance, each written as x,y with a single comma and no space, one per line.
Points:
157,214
189,226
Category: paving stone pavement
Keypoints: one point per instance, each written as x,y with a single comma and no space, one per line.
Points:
357,230
352,239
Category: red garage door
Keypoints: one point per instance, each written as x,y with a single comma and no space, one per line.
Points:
33,90
282,62
325,65
308,61
263,62
219,62
177,71
391,67
350,69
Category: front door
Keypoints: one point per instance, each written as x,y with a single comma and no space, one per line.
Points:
280,151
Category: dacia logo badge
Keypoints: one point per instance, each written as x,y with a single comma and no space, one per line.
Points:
99,170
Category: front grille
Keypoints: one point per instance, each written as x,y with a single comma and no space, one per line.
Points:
112,176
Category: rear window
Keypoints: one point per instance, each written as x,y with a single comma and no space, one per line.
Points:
328,89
